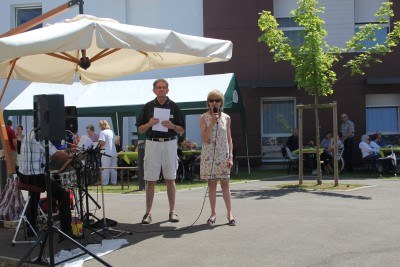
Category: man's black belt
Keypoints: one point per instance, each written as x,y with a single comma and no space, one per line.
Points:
162,139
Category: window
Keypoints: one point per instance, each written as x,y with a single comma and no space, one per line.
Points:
383,119
364,12
382,113
278,120
26,13
291,30
379,34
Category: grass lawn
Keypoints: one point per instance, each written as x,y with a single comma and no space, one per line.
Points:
243,176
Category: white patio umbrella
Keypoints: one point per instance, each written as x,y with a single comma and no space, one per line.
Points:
98,49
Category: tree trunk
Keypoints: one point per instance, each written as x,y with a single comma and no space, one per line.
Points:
317,142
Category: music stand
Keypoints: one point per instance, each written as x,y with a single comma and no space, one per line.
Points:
48,233
105,226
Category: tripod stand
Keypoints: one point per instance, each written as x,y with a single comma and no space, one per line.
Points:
48,234
91,173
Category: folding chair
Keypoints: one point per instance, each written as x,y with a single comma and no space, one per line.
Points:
23,218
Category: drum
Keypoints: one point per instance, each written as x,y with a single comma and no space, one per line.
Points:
67,179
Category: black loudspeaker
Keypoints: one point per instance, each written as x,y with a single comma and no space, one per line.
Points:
71,119
48,117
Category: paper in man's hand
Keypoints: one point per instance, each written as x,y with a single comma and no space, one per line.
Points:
163,115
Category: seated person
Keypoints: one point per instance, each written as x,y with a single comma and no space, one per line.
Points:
193,146
118,145
186,145
327,142
32,171
379,139
330,151
293,141
374,144
367,152
327,154
340,144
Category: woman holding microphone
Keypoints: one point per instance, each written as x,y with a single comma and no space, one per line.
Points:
216,153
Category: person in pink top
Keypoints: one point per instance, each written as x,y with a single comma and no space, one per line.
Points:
91,133
12,139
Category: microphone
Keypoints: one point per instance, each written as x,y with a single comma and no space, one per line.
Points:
215,110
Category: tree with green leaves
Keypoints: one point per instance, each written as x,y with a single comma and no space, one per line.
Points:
314,59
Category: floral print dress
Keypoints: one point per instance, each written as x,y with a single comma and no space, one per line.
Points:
215,153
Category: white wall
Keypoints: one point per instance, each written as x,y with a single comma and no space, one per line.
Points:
339,21
366,9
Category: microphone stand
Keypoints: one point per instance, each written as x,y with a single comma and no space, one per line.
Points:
91,169
106,223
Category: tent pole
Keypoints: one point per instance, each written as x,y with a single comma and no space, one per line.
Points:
14,61
247,152
246,140
244,123
116,117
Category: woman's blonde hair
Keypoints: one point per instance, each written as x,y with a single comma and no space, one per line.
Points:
104,124
215,94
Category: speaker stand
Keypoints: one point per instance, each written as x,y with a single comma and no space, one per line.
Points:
48,234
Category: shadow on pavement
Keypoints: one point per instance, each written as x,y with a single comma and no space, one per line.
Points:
336,194
266,193
139,232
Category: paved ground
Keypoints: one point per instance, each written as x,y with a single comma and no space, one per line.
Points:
275,228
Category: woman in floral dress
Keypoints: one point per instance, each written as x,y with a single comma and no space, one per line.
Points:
216,153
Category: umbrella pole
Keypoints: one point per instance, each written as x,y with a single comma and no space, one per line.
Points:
14,61
6,146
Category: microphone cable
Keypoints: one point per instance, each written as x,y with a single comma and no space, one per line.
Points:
202,205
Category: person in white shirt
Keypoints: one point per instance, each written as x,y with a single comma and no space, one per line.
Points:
109,159
368,152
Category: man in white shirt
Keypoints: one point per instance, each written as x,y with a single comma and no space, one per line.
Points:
367,151
32,171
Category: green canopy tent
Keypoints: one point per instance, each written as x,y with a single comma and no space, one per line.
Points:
119,99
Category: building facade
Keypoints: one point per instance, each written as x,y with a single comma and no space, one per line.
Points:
371,101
